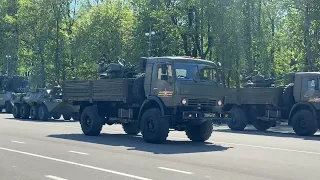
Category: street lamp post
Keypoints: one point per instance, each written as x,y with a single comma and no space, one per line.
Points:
8,58
149,34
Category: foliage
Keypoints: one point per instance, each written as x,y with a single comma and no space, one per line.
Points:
56,40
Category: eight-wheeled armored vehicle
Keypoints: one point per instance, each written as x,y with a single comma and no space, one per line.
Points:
43,104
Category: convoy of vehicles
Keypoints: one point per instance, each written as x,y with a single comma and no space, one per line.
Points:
43,104
298,103
165,93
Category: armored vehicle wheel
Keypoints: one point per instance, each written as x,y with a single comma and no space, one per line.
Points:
8,107
91,123
201,132
43,113
34,112
238,120
262,125
131,128
16,111
155,128
304,123
66,117
25,111
56,115
138,89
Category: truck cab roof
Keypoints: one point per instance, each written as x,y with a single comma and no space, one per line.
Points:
178,59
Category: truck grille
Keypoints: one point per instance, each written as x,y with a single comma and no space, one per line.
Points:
202,102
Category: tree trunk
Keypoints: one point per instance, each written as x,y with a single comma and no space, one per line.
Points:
307,42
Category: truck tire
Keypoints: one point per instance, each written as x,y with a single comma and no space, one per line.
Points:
201,132
16,111
304,123
154,127
138,90
25,111
287,96
131,128
238,119
8,107
91,122
262,125
66,117
43,113
34,112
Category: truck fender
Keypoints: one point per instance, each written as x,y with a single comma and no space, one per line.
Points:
301,105
151,102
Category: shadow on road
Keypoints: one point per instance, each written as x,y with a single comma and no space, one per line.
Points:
49,120
274,132
136,143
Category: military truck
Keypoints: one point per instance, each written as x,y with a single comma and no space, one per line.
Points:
163,93
43,104
9,86
298,103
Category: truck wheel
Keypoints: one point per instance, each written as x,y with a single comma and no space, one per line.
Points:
34,112
56,115
91,123
138,89
155,128
16,111
25,111
238,120
43,113
262,125
66,117
131,128
8,107
201,132
304,123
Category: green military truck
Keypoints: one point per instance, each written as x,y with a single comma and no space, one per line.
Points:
165,93
43,104
298,103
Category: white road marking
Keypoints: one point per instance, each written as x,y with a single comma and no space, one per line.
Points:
76,152
175,170
271,148
55,177
19,142
75,164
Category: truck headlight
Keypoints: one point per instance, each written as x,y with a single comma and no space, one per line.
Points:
184,101
219,103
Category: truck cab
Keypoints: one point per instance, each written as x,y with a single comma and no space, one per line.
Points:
305,111
185,85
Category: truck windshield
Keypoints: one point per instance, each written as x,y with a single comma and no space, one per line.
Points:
202,72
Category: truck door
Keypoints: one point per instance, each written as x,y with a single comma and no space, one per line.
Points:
162,84
311,90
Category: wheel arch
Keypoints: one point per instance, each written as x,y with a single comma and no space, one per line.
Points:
301,106
151,102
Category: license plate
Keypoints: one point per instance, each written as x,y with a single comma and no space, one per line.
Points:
209,115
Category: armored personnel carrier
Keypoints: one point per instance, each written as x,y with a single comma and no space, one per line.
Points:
9,87
43,104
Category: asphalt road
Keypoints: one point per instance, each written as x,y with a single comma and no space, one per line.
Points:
31,150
